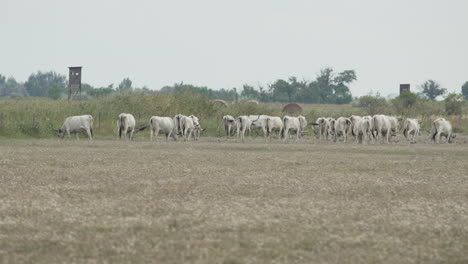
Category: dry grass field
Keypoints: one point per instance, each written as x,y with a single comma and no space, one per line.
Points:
221,201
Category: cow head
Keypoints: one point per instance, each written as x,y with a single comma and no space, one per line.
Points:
452,138
60,133
196,121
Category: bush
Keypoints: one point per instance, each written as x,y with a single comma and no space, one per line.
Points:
454,104
404,103
374,104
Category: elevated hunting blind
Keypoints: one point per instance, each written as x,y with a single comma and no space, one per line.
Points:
404,88
74,83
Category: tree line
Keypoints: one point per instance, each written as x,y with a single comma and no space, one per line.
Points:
328,87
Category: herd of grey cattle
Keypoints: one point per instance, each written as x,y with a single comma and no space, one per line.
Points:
363,129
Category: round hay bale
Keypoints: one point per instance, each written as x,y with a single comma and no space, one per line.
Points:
292,108
220,102
252,102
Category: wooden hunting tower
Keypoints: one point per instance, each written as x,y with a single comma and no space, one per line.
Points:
74,83
404,88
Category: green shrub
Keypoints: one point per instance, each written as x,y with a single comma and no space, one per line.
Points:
454,104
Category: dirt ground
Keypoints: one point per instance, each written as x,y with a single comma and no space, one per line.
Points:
223,201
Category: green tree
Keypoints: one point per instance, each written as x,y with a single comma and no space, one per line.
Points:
10,87
432,89
125,86
38,83
333,89
465,90
55,91
249,92
282,91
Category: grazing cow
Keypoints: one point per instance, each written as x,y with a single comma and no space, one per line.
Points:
259,121
274,123
190,126
230,125
243,124
126,125
330,127
381,126
411,127
320,128
297,124
303,122
342,126
354,120
163,125
394,123
441,128
178,127
76,125
362,129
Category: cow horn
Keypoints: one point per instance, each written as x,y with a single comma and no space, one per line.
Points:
315,124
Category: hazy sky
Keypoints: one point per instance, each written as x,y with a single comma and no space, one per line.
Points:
224,44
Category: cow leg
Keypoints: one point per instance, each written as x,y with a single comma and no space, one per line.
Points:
88,131
438,137
188,133
168,135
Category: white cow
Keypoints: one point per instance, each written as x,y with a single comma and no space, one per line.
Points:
441,128
297,124
303,122
259,121
274,123
354,120
330,126
320,128
394,122
163,125
342,126
362,129
190,125
412,128
381,126
243,124
76,125
230,125
126,125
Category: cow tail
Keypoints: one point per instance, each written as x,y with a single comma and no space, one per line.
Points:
120,126
267,126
